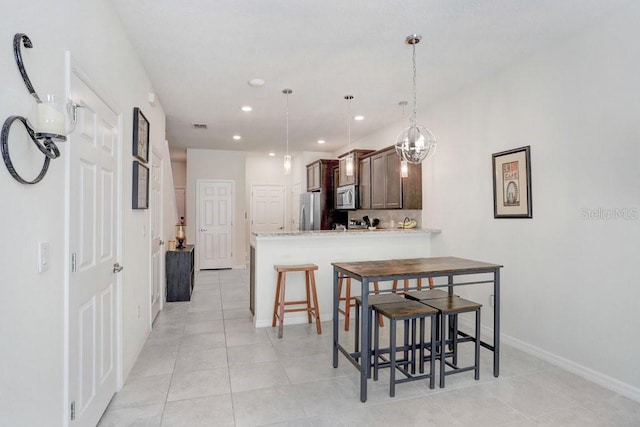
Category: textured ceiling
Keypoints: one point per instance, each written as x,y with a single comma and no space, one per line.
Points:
200,54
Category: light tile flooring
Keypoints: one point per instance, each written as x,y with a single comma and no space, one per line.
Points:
204,364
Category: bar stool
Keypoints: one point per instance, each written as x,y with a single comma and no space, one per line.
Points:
394,288
408,311
449,308
373,299
349,300
280,303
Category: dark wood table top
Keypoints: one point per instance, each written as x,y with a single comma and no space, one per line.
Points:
414,266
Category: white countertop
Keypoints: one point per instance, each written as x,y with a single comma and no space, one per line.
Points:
356,232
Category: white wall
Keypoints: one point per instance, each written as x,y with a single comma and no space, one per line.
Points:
218,165
32,309
569,284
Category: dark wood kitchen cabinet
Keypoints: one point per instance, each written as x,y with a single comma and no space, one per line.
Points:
179,272
320,174
365,183
388,189
355,178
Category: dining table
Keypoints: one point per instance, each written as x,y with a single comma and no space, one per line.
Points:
457,271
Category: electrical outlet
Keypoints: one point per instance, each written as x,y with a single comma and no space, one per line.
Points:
138,311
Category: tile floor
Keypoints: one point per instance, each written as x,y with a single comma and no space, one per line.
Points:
204,364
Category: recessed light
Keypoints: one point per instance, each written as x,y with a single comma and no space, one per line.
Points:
358,118
321,141
272,154
246,108
256,82
237,137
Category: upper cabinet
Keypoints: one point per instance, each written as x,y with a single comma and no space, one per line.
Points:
344,179
364,166
320,175
387,189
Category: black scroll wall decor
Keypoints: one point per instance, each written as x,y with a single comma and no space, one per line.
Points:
45,140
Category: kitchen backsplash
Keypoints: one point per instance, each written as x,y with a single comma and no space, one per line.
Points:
389,218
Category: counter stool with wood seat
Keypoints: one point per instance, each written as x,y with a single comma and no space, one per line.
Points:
449,308
280,302
349,300
410,312
406,284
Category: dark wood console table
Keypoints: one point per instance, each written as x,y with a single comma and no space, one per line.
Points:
179,271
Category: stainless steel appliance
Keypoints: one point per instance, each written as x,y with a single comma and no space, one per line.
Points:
310,211
347,197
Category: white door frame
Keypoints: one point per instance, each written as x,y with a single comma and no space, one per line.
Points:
162,249
71,66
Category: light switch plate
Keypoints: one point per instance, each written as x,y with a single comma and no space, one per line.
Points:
43,257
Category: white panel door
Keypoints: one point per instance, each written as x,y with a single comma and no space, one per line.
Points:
93,291
267,208
156,235
215,224
296,190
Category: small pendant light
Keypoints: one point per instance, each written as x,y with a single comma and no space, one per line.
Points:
415,143
287,157
349,161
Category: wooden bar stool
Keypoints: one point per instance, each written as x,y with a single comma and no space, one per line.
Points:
409,312
406,284
280,303
349,300
449,308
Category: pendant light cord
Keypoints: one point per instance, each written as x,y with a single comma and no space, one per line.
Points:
287,123
349,120
415,99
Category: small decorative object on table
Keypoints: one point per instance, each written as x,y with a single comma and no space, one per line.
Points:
180,236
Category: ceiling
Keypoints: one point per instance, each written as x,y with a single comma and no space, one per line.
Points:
201,54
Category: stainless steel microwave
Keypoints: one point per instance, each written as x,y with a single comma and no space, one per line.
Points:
347,197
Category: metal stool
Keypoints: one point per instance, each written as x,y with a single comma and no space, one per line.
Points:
408,311
449,308
373,299
349,301
280,303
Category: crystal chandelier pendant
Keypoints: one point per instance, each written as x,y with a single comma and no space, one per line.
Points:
415,143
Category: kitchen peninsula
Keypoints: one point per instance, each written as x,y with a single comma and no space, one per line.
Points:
322,248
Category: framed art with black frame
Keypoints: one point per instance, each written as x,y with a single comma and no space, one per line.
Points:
140,136
140,193
512,183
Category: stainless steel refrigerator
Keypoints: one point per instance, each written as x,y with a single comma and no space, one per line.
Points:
310,211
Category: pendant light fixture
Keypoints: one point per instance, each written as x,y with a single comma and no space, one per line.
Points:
349,160
415,143
287,157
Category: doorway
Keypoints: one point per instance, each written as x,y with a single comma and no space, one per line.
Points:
214,223
94,230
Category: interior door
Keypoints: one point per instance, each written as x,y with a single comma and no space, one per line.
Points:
93,243
156,235
215,224
296,190
267,208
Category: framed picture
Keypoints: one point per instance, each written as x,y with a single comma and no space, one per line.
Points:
140,136
140,192
512,183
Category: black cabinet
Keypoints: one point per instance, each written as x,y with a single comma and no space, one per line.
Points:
179,271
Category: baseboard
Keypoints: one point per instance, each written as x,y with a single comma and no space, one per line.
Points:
588,374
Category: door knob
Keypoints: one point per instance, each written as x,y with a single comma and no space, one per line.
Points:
203,229
161,242
117,268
